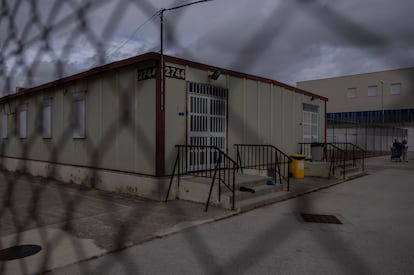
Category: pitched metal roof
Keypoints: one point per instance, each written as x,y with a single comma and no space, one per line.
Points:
147,57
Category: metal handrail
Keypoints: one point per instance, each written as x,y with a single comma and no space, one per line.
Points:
357,153
264,156
205,161
336,156
344,150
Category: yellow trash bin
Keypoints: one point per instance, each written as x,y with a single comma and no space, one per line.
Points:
298,166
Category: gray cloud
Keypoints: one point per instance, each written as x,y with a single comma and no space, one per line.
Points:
300,40
285,40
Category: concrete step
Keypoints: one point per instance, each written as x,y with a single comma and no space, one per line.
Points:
258,201
244,201
250,180
321,169
317,169
197,188
241,179
260,191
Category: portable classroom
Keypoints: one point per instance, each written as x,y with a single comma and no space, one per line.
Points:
115,127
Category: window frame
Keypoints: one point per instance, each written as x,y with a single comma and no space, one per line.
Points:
4,125
23,116
353,94
47,123
79,115
369,91
393,91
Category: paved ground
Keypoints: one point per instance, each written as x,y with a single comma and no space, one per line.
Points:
75,224
376,237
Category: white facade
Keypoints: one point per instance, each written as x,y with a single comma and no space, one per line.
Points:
381,98
114,122
387,90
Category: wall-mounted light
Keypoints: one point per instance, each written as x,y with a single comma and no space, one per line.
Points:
312,98
215,75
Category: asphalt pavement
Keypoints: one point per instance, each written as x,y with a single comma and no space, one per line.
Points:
85,231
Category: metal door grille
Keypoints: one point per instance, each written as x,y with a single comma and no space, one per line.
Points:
207,123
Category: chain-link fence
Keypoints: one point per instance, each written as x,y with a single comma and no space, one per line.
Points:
44,41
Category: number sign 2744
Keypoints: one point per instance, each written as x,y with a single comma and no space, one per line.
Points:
174,72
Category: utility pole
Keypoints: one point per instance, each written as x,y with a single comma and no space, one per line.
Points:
162,69
162,65
160,97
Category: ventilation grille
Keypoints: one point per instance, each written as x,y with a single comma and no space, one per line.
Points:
316,218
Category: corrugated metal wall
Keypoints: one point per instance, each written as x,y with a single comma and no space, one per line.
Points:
120,124
258,112
263,113
121,119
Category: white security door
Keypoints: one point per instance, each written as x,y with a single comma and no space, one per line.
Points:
310,124
207,118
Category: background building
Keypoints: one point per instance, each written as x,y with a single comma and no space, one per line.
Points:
382,101
115,128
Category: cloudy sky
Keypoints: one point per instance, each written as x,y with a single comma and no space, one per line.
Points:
288,41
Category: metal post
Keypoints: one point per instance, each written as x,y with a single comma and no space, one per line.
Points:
380,134
180,156
382,100
366,135
162,59
233,200
162,66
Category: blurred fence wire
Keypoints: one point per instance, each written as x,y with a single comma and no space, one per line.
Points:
39,42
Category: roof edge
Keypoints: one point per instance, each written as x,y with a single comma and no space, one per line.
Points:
354,75
80,75
155,56
194,64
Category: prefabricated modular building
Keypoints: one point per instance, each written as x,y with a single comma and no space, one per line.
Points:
115,127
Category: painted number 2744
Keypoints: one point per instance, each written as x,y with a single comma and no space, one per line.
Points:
174,72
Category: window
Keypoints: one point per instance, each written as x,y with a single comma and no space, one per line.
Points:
47,118
310,122
78,115
372,90
395,89
351,92
4,125
23,121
